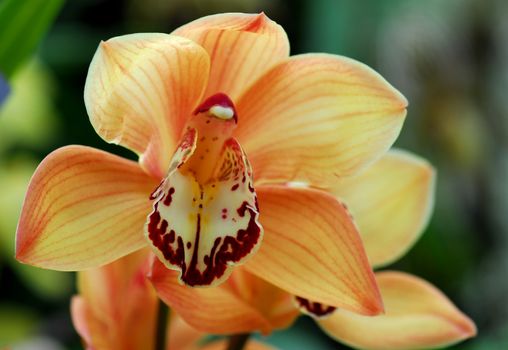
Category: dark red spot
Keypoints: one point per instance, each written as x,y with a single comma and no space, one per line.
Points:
224,216
314,308
169,197
225,210
220,99
251,189
189,245
235,187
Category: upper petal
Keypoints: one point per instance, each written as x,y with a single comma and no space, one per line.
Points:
317,117
241,47
391,203
417,316
83,208
141,88
312,249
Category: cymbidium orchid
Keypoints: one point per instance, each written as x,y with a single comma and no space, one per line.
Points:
391,202
221,118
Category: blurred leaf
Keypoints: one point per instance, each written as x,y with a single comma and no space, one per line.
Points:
28,115
23,25
14,178
16,324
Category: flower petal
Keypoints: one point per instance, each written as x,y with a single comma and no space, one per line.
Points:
418,316
212,310
241,47
182,336
312,249
140,90
317,117
391,203
83,208
117,306
79,314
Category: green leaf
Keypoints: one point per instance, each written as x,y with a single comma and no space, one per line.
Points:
24,23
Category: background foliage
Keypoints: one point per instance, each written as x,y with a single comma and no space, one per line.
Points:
448,57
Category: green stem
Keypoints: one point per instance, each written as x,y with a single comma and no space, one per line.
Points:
238,341
162,324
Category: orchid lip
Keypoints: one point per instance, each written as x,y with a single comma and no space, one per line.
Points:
205,212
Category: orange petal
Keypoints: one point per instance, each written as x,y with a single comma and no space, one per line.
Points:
312,249
80,313
317,117
391,203
117,306
182,336
241,47
223,309
140,90
418,316
83,208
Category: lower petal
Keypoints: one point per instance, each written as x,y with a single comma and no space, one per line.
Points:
213,310
83,208
117,307
418,316
391,203
312,249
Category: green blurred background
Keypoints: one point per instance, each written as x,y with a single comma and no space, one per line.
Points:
448,57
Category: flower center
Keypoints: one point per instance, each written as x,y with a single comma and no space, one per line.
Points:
205,212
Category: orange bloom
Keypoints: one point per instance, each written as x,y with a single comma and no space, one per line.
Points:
192,105
391,202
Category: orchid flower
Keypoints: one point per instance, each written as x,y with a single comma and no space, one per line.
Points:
117,309
223,122
391,202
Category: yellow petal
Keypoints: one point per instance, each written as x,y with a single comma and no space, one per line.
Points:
140,90
312,249
117,306
241,48
212,310
418,316
83,208
317,117
391,203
